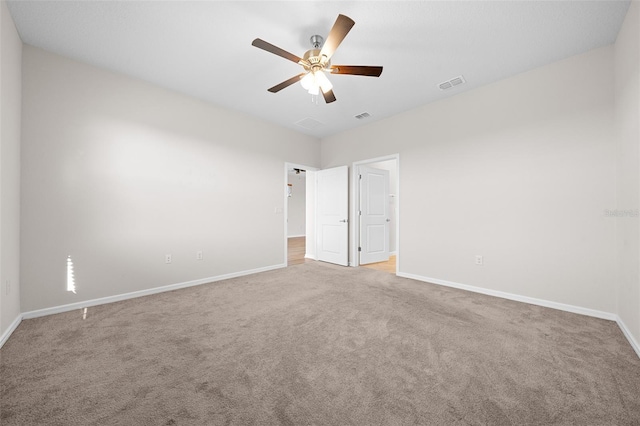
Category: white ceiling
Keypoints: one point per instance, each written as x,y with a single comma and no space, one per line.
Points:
203,48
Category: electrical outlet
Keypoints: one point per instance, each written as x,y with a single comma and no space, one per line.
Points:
167,258
479,260
199,255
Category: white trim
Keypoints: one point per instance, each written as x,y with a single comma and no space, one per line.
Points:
354,195
297,236
9,331
285,212
148,292
308,256
376,159
628,335
531,300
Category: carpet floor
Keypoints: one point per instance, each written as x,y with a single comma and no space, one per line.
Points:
317,344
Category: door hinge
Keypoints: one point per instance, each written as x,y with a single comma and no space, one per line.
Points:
359,176
360,212
359,248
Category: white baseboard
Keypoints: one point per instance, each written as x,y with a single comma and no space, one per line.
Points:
516,297
296,236
310,256
533,301
132,295
7,333
110,299
119,297
628,335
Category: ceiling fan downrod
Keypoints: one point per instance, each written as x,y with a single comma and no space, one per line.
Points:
316,41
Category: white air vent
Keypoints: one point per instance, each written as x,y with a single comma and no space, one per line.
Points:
363,115
309,123
456,81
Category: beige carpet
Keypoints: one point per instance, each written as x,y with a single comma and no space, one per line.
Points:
323,345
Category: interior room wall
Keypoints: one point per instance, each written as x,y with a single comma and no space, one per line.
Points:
10,116
627,103
297,205
519,172
117,173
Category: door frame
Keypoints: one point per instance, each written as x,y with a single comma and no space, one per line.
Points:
288,166
354,201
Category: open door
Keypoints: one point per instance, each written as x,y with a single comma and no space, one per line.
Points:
374,215
332,215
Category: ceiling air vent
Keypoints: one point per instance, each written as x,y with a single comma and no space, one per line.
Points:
309,123
456,81
363,115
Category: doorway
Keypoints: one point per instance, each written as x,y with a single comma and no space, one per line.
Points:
392,162
299,213
390,166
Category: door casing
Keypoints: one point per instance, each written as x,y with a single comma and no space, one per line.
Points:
354,196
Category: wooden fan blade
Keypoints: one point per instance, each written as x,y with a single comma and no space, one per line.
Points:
356,70
328,96
339,31
261,44
286,83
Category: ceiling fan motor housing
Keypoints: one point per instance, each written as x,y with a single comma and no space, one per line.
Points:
313,58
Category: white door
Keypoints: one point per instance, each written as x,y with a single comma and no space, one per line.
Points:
374,215
333,214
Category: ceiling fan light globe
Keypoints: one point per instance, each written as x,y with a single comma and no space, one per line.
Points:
307,81
323,81
326,87
314,90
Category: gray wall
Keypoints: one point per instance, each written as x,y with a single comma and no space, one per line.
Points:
519,172
627,97
10,86
117,173
296,225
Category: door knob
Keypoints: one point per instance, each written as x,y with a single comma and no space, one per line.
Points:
388,220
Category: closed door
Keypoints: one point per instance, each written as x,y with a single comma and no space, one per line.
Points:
374,215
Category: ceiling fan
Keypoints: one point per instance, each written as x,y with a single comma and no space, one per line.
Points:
318,60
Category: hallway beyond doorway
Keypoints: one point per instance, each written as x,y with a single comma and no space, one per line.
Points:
296,250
